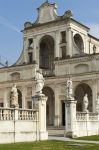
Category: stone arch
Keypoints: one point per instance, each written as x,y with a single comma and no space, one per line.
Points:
79,42
80,91
50,105
46,54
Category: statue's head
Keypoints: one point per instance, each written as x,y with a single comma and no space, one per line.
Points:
86,94
39,71
14,85
97,96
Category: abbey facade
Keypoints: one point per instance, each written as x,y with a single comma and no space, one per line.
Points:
63,48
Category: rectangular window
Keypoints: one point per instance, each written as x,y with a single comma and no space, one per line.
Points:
29,91
30,55
1,104
30,43
29,105
63,50
63,36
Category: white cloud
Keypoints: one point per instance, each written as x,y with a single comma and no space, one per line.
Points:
8,24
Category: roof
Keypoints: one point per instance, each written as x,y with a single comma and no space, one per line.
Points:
91,36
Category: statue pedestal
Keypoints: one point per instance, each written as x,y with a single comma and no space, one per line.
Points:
70,117
39,102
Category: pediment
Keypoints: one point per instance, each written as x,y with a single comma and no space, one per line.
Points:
15,76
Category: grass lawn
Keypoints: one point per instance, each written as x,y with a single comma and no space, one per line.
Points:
49,145
89,138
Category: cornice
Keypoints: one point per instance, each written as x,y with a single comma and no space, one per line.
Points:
56,79
89,76
77,59
46,25
20,81
93,37
17,68
59,20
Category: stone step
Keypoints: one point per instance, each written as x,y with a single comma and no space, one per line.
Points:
56,131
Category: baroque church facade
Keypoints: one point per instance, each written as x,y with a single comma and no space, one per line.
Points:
63,48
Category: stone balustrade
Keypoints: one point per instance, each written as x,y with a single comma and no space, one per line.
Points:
87,123
27,114
80,123
24,125
81,116
6,114
94,116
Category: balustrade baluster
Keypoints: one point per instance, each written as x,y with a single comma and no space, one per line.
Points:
9,114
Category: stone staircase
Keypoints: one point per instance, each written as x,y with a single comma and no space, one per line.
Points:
56,131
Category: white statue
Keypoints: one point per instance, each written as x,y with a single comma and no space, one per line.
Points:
39,82
14,96
97,104
69,89
85,103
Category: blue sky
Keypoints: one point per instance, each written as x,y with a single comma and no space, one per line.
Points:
14,13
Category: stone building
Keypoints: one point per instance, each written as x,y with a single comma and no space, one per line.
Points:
63,48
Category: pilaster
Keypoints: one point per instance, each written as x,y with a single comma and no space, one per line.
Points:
34,49
23,97
6,99
69,41
94,93
57,42
25,46
57,107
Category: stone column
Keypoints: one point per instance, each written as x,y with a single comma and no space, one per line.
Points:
94,93
23,97
25,46
57,116
40,104
69,41
70,118
57,46
6,98
35,49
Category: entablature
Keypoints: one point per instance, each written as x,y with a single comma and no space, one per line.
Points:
78,59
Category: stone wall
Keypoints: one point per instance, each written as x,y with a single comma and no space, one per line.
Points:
87,124
17,125
80,124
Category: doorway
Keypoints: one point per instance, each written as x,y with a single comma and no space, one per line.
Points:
63,113
50,106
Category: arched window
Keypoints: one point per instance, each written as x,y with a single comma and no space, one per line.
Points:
47,52
79,43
